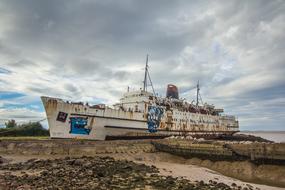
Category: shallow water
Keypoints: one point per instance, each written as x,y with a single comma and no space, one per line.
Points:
276,136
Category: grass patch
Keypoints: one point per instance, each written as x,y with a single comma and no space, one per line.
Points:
26,138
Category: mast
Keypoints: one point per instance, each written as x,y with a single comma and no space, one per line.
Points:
145,74
147,77
198,89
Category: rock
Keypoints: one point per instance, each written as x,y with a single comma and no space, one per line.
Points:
94,173
3,160
189,137
78,162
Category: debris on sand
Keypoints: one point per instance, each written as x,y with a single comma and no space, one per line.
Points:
92,173
3,160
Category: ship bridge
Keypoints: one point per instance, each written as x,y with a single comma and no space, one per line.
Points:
134,101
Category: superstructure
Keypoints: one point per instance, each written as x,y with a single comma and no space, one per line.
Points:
139,114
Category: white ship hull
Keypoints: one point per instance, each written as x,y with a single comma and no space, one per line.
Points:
71,120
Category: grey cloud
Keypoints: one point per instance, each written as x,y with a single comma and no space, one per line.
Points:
38,90
234,48
267,93
117,26
8,51
71,88
84,66
4,71
120,75
22,64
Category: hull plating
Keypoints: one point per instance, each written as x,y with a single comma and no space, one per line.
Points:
71,120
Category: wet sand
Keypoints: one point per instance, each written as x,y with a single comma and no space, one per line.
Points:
178,167
196,173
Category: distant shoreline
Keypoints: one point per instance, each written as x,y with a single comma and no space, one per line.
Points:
262,131
276,136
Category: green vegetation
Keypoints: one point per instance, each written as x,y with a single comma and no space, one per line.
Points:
23,130
11,124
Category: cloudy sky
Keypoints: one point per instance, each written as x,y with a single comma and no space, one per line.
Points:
88,50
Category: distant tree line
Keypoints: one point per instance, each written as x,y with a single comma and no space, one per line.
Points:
27,129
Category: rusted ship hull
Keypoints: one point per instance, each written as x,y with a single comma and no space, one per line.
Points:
73,120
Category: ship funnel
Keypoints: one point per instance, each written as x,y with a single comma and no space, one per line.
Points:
172,91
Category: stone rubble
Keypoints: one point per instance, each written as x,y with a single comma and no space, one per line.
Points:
94,173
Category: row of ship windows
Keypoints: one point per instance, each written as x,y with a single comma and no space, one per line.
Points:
198,118
187,120
185,114
135,95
